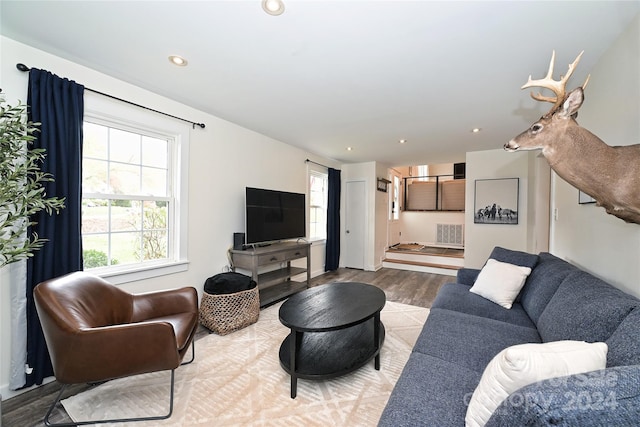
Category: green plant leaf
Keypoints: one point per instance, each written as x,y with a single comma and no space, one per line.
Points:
22,193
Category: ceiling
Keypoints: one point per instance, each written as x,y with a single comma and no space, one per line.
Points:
327,75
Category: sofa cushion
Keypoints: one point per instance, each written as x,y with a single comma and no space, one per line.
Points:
430,392
523,259
467,276
542,283
624,343
471,341
521,365
609,397
456,297
500,282
584,308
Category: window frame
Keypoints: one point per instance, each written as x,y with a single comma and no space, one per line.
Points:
108,112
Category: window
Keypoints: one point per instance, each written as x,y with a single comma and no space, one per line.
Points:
318,190
395,199
133,221
423,173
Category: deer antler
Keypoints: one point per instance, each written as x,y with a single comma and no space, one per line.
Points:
557,87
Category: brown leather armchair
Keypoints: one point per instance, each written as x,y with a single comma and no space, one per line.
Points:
95,331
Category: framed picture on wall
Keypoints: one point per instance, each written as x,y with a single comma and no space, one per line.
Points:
496,201
382,184
584,198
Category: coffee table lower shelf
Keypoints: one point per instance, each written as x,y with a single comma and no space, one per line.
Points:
323,355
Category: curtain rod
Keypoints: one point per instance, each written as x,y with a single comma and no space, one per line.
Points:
319,164
24,68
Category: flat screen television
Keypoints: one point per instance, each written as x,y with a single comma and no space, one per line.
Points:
274,215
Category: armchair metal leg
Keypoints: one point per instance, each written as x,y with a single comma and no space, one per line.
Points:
193,353
120,420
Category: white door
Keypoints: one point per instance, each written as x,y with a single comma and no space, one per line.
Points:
355,224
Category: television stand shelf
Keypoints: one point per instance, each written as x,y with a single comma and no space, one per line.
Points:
274,285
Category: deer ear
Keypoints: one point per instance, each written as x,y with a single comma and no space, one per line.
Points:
572,103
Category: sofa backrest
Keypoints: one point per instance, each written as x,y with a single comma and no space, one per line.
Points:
511,256
542,284
624,343
584,308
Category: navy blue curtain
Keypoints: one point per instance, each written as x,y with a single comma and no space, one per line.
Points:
332,251
57,104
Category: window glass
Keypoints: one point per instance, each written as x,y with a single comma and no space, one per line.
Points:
126,200
318,191
395,206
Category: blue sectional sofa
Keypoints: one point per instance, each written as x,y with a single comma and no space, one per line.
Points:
464,332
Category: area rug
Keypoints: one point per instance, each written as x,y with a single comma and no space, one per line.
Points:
236,380
409,247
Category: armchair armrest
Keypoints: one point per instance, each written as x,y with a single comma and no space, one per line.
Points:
164,303
115,351
467,276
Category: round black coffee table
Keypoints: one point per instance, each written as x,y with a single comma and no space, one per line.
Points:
335,329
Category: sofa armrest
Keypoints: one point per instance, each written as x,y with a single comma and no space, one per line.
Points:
467,276
605,397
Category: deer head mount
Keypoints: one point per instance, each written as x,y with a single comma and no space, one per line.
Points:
611,175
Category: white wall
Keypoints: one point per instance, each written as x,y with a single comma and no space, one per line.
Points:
540,211
586,235
480,239
224,158
381,217
420,227
441,169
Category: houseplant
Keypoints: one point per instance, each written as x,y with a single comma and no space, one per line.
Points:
22,192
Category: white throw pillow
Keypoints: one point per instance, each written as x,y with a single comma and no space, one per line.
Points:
524,364
500,282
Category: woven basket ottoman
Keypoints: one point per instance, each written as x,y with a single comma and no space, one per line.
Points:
230,302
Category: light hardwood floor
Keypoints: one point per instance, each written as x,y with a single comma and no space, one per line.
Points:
407,287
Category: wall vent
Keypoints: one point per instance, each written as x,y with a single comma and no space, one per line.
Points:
450,234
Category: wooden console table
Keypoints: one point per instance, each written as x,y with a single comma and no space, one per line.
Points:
276,284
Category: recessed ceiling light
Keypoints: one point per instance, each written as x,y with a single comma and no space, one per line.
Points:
402,141
273,7
349,148
178,60
476,130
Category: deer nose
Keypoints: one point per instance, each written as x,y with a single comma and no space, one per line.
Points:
511,146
